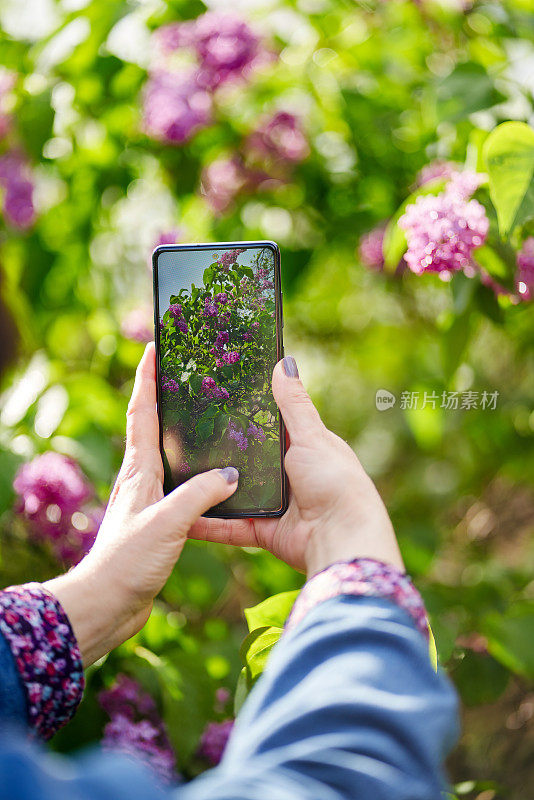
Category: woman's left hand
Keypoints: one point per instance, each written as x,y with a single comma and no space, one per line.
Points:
108,595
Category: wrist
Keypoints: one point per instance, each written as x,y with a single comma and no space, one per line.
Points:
328,546
100,616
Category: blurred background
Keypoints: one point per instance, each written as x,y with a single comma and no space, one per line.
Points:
311,122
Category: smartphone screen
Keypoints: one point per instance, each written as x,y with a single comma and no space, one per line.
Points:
218,321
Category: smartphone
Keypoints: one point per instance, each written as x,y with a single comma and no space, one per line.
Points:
218,333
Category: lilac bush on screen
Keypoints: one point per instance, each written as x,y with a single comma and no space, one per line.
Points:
136,728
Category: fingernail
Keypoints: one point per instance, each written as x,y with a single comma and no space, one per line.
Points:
230,474
290,367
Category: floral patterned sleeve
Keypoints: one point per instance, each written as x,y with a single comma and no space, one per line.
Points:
363,576
46,655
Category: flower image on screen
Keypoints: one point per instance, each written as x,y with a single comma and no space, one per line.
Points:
218,348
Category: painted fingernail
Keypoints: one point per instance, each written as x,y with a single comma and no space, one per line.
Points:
290,367
230,474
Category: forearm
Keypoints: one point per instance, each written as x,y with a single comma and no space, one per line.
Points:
349,706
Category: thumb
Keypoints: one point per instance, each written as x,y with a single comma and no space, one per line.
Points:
300,416
183,506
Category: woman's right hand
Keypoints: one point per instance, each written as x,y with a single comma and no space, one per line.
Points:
335,512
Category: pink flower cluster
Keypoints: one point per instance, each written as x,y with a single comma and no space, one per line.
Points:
15,180
227,260
268,156
223,47
524,281
214,740
442,231
370,249
210,388
279,138
137,326
53,496
136,728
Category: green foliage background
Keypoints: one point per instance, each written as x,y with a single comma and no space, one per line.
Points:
383,88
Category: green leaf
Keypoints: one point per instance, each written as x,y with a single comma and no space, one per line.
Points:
511,638
467,89
204,428
256,650
195,382
509,159
480,678
271,612
241,691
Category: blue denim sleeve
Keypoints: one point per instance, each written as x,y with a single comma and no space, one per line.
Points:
349,707
12,697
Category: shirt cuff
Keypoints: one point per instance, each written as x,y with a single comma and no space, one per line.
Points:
363,576
46,654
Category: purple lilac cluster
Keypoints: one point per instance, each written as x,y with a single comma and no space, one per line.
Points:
169,384
214,740
53,496
175,310
224,49
15,180
442,231
136,728
229,258
279,138
210,388
256,432
269,155
370,250
136,325
524,281
237,436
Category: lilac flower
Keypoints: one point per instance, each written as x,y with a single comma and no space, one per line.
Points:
52,496
174,36
525,270
214,740
135,727
443,231
208,385
222,338
18,190
220,393
175,310
182,326
237,436
168,237
247,337
370,249
170,384
222,181
136,325
226,46
175,107
256,432
436,169
210,309
221,298
279,138
232,357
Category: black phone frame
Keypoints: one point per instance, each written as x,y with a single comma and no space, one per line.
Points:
245,513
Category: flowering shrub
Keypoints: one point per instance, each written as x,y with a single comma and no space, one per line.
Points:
218,345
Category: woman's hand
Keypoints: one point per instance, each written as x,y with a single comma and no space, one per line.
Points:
108,595
335,512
